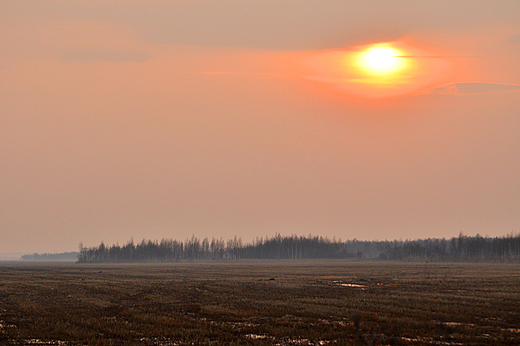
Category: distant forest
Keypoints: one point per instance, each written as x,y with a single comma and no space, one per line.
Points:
64,256
458,249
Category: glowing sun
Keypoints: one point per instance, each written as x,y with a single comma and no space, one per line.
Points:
381,60
377,70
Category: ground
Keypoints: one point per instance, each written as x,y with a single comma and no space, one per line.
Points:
260,303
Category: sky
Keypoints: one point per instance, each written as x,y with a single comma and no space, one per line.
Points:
166,119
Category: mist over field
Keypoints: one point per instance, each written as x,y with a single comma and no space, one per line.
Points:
457,249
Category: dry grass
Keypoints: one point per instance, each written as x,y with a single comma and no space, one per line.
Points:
260,303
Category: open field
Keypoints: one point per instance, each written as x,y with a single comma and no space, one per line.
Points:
260,303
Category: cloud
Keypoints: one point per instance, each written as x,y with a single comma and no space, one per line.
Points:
111,56
475,88
515,39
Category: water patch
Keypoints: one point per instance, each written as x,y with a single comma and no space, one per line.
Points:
257,336
41,342
161,342
353,285
4,325
343,284
432,342
455,324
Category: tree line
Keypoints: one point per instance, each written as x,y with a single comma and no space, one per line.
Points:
462,248
63,256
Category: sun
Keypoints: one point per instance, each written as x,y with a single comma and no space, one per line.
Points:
381,60
378,70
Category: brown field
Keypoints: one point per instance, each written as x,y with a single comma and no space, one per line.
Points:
260,303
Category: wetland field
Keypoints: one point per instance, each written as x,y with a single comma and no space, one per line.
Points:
260,303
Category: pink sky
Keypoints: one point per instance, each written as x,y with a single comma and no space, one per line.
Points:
166,119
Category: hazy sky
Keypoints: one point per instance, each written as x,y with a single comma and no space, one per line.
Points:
152,119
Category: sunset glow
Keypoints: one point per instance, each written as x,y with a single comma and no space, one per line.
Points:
378,70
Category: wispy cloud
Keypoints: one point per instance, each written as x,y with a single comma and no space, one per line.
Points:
515,39
98,55
475,88
247,73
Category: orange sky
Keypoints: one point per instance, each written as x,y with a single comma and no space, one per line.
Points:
217,118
